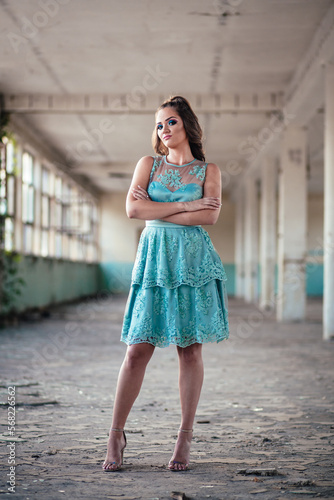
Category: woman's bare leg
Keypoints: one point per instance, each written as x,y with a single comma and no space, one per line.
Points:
129,382
190,383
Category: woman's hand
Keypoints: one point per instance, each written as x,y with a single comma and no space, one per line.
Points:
208,202
140,193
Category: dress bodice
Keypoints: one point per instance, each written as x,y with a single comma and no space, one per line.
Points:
169,182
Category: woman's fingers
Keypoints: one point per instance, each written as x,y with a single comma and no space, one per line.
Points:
208,202
139,193
212,202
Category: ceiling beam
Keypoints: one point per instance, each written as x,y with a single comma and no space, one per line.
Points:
138,103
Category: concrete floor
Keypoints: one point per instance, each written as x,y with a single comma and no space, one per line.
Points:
267,403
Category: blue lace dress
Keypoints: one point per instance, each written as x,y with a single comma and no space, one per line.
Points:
177,293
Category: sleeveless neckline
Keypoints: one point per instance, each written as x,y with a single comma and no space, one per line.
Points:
174,164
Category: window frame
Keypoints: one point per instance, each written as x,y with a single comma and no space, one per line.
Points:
7,178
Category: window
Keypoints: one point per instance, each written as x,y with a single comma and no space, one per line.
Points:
3,181
74,228
66,221
92,254
65,245
89,228
58,245
7,192
27,188
47,186
10,168
58,216
9,234
28,193
66,202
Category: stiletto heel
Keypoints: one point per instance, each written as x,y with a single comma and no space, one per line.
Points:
172,463
115,466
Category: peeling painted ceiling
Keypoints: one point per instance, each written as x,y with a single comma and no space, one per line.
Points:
195,48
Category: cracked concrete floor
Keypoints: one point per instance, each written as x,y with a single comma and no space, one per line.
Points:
267,403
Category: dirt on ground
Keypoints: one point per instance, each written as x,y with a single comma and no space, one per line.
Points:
264,427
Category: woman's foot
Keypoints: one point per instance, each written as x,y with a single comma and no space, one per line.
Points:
115,449
181,455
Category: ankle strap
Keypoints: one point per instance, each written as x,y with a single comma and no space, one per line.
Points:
185,430
117,430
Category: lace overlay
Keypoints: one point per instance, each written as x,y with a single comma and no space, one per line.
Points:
177,293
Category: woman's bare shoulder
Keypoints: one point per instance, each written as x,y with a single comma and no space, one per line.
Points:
145,162
212,169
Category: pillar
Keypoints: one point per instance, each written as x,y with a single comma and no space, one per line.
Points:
291,298
328,299
251,239
239,244
268,233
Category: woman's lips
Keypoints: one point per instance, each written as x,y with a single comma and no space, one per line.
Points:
167,137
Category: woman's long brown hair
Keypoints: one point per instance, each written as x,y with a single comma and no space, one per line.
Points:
191,126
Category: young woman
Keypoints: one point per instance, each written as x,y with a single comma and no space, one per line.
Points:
177,291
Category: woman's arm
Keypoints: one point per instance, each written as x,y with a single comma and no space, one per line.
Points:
140,206
145,208
212,188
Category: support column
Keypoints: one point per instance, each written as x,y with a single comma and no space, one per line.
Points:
328,300
268,233
251,239
239,244
291,299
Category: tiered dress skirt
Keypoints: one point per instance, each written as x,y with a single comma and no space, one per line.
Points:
177,293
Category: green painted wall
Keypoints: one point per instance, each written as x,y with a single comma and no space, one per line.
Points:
115,277
314,280
50,281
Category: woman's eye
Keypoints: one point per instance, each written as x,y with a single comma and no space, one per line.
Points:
172,122
159,127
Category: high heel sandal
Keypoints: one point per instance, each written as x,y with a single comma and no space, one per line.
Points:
172,463
115,466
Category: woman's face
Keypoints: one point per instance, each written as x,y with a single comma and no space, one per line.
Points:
170,127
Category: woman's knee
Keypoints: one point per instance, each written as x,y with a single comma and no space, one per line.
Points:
190,354
138,355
